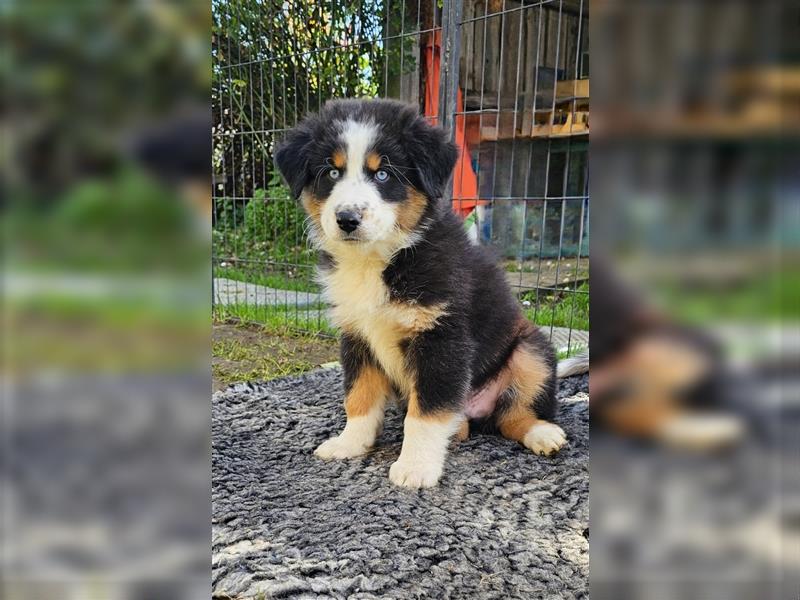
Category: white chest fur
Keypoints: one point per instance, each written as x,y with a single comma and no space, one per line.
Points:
360,304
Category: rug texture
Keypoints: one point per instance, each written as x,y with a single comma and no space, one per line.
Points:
503,523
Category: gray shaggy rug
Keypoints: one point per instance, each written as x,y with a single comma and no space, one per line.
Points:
503,523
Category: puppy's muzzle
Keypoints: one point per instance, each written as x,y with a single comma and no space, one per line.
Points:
348,220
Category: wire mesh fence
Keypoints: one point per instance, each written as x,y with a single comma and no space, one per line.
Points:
508,79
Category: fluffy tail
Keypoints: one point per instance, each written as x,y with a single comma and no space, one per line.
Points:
576,365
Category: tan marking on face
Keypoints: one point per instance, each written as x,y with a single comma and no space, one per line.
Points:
313,207
371,386
528,373
410,211
339,159
373,161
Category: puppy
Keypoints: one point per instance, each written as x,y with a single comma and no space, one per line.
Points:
426,316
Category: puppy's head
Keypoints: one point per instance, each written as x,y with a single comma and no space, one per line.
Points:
366,171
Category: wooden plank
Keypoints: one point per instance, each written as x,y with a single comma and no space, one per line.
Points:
506,126
529,84
466,61
511,50
572,88
491,83
478,58
551,39
568,42
575,123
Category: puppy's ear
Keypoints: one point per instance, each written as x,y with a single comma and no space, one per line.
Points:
291,156
432,153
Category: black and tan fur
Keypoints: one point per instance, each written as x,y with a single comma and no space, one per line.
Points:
654,378
426,316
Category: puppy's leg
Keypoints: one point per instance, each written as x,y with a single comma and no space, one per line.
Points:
367,389
462,435
435,411
425,440
530,400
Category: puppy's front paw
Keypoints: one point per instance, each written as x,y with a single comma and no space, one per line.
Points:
545,438
340,447
414,476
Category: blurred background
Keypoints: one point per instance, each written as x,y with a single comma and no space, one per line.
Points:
105,425
696,124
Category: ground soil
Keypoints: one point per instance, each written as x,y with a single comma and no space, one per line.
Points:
252,353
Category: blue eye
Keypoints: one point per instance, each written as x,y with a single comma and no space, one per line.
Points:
381,175
334,173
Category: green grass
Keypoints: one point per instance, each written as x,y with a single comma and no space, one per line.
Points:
766,298
118,313
513,266
559,309
304,319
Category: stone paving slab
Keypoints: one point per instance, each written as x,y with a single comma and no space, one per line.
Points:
561,339
229,291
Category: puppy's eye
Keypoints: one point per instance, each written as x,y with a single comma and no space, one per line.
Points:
381,175
334,173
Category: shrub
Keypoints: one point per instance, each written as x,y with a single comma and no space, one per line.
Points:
227,216
269,228
123,220
273,225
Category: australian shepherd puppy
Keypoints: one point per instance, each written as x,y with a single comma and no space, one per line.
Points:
426,316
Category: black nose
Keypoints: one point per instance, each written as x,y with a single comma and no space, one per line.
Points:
348,220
